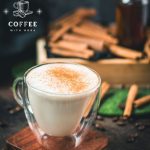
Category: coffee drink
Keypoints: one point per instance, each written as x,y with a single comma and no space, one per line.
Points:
59,94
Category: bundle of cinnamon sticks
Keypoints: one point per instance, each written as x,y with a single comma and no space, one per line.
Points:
75,35
66,42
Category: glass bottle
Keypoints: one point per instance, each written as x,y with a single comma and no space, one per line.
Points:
131,18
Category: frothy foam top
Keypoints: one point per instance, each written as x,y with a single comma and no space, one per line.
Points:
62,78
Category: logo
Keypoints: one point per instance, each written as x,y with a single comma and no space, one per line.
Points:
22,9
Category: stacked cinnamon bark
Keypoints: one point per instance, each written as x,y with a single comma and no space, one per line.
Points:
76,35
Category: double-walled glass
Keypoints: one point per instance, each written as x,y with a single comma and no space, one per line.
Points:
57,119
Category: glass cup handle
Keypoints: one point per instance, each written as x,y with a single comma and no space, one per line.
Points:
18,90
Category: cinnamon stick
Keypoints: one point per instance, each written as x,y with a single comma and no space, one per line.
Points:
64,29
117,61
99,36
104,89
93,43
89,105
85,12
64,44
93,26
60,32
147,48
68,53
130,99
142,101
65,20
73,47
125,52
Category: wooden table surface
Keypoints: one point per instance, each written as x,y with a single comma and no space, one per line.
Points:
117,134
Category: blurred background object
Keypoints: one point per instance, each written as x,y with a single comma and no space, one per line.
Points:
132,19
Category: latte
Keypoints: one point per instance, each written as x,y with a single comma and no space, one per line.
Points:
59,94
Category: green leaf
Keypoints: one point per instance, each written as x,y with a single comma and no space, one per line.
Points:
109,106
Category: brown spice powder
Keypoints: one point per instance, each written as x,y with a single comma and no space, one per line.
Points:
72,79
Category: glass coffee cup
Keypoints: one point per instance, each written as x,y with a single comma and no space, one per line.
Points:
59,118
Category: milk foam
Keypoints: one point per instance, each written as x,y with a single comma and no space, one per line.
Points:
62,78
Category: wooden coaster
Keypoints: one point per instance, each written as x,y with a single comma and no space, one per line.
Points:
25,140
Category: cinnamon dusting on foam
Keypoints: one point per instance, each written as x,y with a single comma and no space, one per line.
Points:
70,78
62,78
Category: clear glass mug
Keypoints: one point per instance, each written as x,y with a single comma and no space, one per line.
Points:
61,122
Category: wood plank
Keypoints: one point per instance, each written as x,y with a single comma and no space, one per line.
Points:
123,73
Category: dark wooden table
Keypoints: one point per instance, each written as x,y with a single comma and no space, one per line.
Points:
11,123
117,134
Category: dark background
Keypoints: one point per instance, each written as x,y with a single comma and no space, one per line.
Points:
17,46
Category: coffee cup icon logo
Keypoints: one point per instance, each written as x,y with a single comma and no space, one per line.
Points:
22,9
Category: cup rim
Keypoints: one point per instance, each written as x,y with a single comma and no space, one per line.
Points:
63,94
